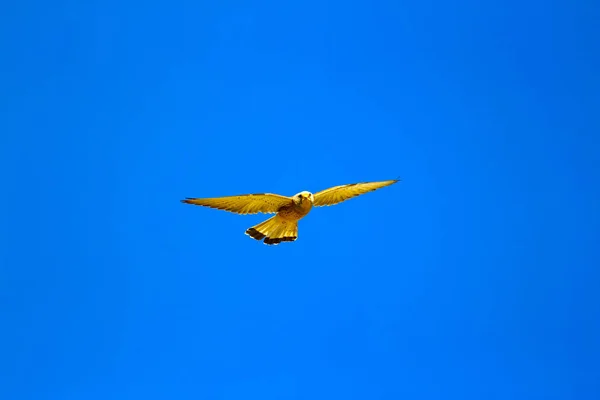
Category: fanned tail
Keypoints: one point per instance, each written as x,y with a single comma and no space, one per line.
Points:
274,231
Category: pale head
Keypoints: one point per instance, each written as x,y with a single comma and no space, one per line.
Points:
304,196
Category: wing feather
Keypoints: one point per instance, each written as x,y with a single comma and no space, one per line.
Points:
266,203
337,194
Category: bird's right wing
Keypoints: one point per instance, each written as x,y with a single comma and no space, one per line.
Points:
267,203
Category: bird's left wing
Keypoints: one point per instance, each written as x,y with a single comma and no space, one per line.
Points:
267,203
337,194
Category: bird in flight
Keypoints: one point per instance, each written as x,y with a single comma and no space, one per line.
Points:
283,227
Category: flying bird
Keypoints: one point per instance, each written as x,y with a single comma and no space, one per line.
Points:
283,227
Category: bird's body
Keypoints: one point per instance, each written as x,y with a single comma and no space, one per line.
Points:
299,208
283,227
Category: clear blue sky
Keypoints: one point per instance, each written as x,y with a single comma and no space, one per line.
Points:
474,278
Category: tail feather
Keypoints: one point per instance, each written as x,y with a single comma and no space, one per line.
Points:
274,231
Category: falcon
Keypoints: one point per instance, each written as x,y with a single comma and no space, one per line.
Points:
283,227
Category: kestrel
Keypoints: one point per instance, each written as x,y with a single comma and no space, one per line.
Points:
283,227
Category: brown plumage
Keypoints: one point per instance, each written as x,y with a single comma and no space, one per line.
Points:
283,227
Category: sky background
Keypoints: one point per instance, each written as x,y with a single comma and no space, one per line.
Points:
476,277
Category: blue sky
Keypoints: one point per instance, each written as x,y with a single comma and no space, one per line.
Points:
476,277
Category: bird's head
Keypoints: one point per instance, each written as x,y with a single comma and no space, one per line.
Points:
304,196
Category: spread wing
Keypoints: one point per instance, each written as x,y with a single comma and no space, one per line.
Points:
267,203
337,194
